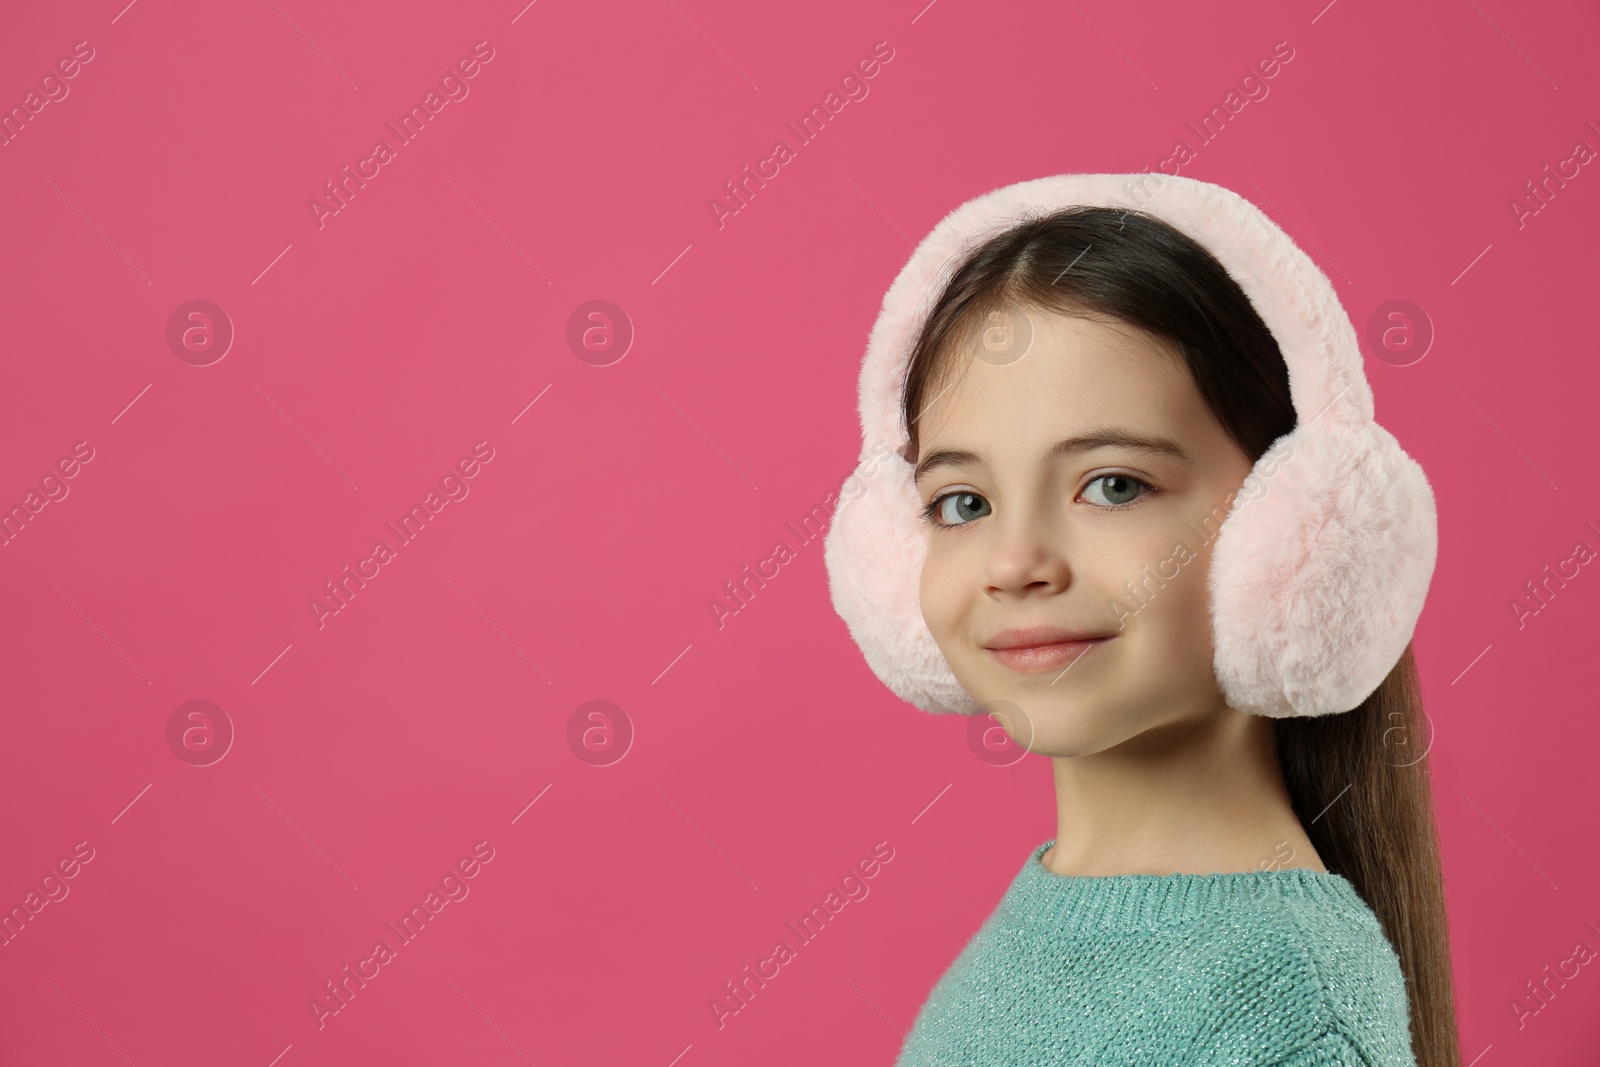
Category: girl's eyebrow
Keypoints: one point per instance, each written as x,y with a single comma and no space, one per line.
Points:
1124,439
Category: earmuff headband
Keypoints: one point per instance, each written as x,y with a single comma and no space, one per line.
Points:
1321,566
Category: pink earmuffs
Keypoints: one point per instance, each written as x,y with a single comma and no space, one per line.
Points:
1315,586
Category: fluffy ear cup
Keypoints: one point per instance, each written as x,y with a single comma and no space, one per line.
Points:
874,550
1323,559
1319,571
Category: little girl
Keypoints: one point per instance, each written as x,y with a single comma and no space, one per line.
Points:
1086,398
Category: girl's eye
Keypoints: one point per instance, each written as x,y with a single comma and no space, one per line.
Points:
961,507
1120,490
967,506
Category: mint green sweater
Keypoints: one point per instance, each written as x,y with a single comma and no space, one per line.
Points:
1287,967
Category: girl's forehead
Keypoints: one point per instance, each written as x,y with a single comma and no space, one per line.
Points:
1038,343
1084,371
1085,381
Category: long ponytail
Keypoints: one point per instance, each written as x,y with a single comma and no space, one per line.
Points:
1359,781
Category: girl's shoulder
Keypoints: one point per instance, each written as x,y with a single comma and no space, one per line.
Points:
1258,967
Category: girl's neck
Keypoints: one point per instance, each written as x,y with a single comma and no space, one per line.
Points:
1192,798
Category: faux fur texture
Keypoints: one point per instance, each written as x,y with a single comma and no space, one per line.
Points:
1321,566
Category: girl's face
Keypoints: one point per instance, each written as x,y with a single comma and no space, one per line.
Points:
1078,488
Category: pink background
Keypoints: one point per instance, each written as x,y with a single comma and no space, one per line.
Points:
433,711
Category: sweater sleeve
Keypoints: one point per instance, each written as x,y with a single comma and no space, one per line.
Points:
1328,1049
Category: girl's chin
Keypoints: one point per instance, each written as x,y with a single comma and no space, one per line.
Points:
1028,716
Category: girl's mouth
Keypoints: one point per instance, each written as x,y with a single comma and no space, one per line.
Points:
1037,658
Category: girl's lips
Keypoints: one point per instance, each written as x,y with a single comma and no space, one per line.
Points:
1044,657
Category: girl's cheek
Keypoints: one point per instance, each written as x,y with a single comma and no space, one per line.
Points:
934,594
952,586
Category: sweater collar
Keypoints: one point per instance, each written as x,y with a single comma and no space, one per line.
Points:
1148,901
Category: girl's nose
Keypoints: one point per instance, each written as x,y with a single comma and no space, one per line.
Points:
1028,554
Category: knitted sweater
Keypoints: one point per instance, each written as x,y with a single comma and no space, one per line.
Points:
1286,967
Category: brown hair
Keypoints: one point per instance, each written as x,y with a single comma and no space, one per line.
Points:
1357,780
